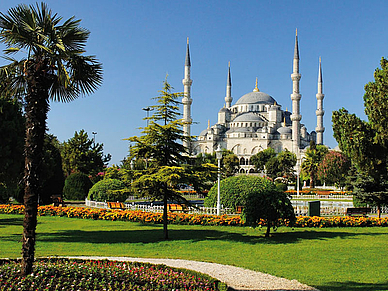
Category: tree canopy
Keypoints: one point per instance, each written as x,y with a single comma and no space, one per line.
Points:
82,154
51,67
258,196
334,168
366,142
161,145
313,158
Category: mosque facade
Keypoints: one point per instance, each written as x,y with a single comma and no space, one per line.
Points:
256,121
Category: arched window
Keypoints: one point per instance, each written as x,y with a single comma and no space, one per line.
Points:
242,161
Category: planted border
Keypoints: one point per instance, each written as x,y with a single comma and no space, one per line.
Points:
77,274
192,219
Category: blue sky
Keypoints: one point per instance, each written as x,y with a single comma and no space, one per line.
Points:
139,42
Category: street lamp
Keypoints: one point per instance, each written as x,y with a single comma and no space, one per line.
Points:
147,109
219,157
94,137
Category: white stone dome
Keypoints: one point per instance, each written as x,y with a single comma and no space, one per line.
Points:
256,97
285,130
248,117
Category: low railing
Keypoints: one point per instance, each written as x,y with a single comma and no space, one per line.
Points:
159,208
328,208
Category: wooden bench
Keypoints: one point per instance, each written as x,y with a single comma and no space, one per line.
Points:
358,211
176,207
116,205
58,201
239,209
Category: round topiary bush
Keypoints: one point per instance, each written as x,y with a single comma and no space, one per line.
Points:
77,186
108,190
259,198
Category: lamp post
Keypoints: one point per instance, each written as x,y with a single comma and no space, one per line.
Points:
94,137
219,157
147,109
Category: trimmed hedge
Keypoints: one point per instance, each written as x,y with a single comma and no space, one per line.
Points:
108,190
77,186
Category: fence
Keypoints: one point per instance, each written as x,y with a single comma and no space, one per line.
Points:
159,208
328,208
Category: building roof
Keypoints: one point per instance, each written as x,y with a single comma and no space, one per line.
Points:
248,117
256,98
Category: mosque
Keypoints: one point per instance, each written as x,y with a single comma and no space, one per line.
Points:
256,121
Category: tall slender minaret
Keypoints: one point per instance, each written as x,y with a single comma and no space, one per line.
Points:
320,112
228,98
187,97
295,97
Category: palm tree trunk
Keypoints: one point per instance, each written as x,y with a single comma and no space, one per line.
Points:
36,114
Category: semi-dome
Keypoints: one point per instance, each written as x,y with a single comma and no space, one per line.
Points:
285,130
223,109
248,117
203,132
256,98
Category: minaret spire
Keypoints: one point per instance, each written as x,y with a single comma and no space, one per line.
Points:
186,101
228,97
320,112
295,97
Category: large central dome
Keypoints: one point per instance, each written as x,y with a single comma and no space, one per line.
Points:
256,98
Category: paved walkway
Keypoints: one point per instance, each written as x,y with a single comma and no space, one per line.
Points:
235,277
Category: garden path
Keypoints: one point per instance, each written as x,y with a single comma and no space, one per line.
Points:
235,277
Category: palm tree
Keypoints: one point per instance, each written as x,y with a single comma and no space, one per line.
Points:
52,68
313,158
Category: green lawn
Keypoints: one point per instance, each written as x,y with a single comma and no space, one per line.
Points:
329,259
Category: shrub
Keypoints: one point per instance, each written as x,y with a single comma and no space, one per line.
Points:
77,186
281,186
108,190
259,197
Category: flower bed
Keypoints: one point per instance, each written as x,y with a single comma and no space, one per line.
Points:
192,219
66,274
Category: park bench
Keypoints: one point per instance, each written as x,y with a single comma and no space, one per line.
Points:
176,207
239,209
358,211
58,201
116,205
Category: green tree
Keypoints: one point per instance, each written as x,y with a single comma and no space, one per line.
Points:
229,163
261,158
281,165
334,168
313,157
53,178
161,145
82,154
12,127
52,67
258,196
77,186
366,142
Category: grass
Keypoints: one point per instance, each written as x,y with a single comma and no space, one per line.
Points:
329,259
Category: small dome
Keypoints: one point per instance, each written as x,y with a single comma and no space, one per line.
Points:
203,132
256,98
223,109
248,117
285,130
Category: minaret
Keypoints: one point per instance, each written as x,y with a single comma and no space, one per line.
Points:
320,112
295,97
186,101
228,98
